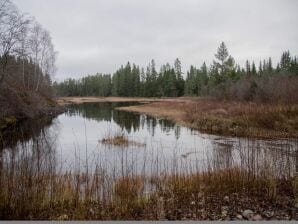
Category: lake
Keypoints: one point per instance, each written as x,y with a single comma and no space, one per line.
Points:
72,142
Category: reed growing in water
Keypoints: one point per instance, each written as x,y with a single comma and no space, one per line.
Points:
35,186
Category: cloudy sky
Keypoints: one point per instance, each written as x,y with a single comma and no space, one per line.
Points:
99,35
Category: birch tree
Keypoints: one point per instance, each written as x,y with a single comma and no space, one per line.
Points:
47,58
12,27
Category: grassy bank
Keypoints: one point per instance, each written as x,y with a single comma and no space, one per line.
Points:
91,99
227,118
213,195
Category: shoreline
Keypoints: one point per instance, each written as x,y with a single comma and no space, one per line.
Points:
49,111
213,193
79,100
211,116
216,122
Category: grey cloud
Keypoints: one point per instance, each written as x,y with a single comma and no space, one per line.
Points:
99,35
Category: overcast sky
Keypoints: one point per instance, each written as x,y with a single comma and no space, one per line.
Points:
99,35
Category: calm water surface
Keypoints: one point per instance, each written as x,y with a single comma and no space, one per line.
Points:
72,142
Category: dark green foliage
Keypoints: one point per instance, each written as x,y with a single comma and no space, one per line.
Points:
129,81
222,56
179,78
253,69
191,85
97,85
170,80
224,79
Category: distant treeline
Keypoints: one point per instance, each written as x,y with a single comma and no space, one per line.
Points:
223,78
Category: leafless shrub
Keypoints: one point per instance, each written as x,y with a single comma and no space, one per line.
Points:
277,88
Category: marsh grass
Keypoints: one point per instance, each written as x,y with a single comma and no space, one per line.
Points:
196,196
116,140
244,119
120,139
231,118
33,186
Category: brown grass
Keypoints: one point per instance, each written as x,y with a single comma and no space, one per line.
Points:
200,196
227,118
90,99
120,140
116,140
33,186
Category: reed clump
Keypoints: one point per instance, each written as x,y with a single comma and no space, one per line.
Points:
33,187
197,196
116,140
120,140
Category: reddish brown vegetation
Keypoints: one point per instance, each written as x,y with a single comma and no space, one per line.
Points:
228,117
211,195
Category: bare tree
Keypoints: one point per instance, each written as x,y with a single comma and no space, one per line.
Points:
23,51
48,57
13,25
42,51
21,36
35,39
4,5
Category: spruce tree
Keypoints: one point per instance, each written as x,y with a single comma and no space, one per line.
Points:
222,56
248,70
253,69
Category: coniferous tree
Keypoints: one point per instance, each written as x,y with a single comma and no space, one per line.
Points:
260,68
217,80
285,61
179,78
269,68
248,70
202,79
253,69
222,56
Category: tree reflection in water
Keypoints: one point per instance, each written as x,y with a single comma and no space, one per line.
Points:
32,171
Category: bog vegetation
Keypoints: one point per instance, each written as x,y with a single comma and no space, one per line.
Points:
33,187
223,79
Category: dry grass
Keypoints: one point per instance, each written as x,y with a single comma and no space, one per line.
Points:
89,99
227,118
173,109
116,140
250,119
33,187
199,196
120,140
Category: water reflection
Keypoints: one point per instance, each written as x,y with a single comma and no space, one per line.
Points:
23,132
130,122
64,161
72,143
257,156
